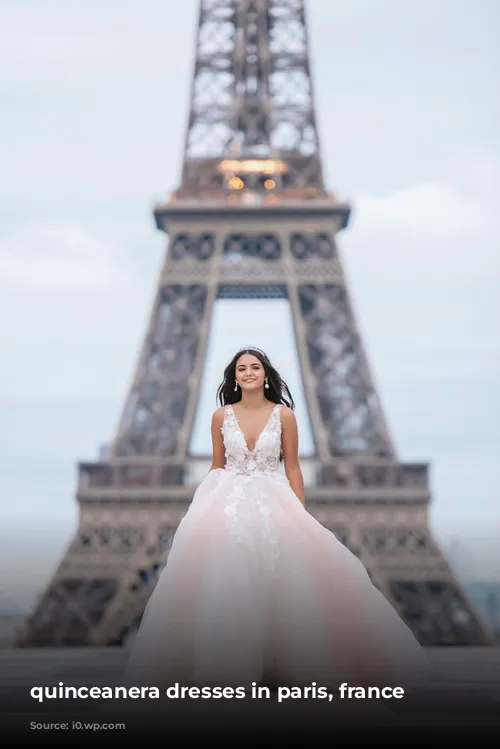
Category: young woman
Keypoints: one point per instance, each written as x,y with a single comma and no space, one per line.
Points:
255,589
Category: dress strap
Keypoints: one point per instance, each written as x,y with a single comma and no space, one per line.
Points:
224,418
277,410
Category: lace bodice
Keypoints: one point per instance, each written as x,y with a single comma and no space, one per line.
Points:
265,457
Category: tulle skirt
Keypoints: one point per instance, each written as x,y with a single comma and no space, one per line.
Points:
255,590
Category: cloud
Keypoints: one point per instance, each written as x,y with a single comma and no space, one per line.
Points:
425,268
70,332
84,44
60,285
43,260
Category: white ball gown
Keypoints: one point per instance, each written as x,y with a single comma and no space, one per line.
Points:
256,590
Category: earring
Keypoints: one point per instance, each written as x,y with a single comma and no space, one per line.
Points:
235,386
267,384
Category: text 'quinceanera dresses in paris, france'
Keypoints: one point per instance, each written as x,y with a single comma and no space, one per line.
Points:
256,590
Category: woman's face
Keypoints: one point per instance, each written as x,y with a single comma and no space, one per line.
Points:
250,372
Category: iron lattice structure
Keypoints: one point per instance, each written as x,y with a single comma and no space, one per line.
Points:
251,92
251,219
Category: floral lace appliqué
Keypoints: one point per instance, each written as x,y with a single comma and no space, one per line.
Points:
244,495
264,458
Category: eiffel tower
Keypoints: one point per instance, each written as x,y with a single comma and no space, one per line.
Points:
251,219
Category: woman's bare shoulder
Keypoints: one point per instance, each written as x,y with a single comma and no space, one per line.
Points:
287,415
218,416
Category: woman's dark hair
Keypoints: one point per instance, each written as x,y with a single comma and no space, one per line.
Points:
277,392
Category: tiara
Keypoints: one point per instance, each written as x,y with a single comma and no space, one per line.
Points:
254,348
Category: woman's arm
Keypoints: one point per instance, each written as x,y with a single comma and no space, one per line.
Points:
290,442
218,450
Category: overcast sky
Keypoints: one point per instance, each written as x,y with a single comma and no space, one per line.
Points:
94,99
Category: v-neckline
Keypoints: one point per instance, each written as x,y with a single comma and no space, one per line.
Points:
252,452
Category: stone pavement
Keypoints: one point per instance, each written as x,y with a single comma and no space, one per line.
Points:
462,699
